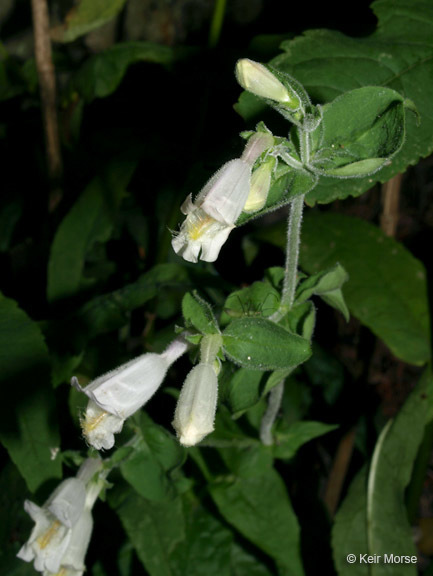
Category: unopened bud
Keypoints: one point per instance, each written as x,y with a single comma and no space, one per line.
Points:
259,80
260,185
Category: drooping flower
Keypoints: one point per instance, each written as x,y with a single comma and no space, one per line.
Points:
195,410
212,215
62,524
116,395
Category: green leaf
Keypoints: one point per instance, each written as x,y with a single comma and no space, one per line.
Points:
165,447
387,287
362,130
243,390
259,344
259,299
102,73
301,320
349,533
154,528
258,506
90,221
289,440
207,545
243,563
326,284
388,527
28,427
145,474
198,313
86,15
175,537
397,55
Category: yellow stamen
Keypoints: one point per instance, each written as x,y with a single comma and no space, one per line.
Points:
196,228
89,424
44,540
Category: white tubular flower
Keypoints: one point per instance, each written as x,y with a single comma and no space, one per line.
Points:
212,216
259,80
116,395
51,536
59,541
195,411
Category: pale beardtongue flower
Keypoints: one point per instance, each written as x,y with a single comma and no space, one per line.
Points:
195,411
59,541
116,395
212,215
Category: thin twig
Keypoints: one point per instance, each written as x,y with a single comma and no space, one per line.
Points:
339,471
390,205
47,87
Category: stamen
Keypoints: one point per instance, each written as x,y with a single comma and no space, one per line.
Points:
44,540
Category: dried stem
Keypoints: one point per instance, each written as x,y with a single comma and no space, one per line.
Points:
390,203
47,86
339,471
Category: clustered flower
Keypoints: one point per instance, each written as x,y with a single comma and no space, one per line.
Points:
63,525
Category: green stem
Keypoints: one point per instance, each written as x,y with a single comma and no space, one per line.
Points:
274,404
217,22
287,299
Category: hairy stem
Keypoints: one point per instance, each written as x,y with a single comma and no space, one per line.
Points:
47,87
274,403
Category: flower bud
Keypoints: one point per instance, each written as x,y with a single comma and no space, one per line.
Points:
116,395
259,80
195,411
260,185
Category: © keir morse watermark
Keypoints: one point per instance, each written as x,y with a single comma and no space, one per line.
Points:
380,559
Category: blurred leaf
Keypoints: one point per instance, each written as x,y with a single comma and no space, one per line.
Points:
154,528
144,473
349,534
86,15
289,440
260,344
387,288
90,221
325,370
258,506
397,55
167,450
207,544
28,428
388,527
175,537
373,517
243,563
102,73
9,216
